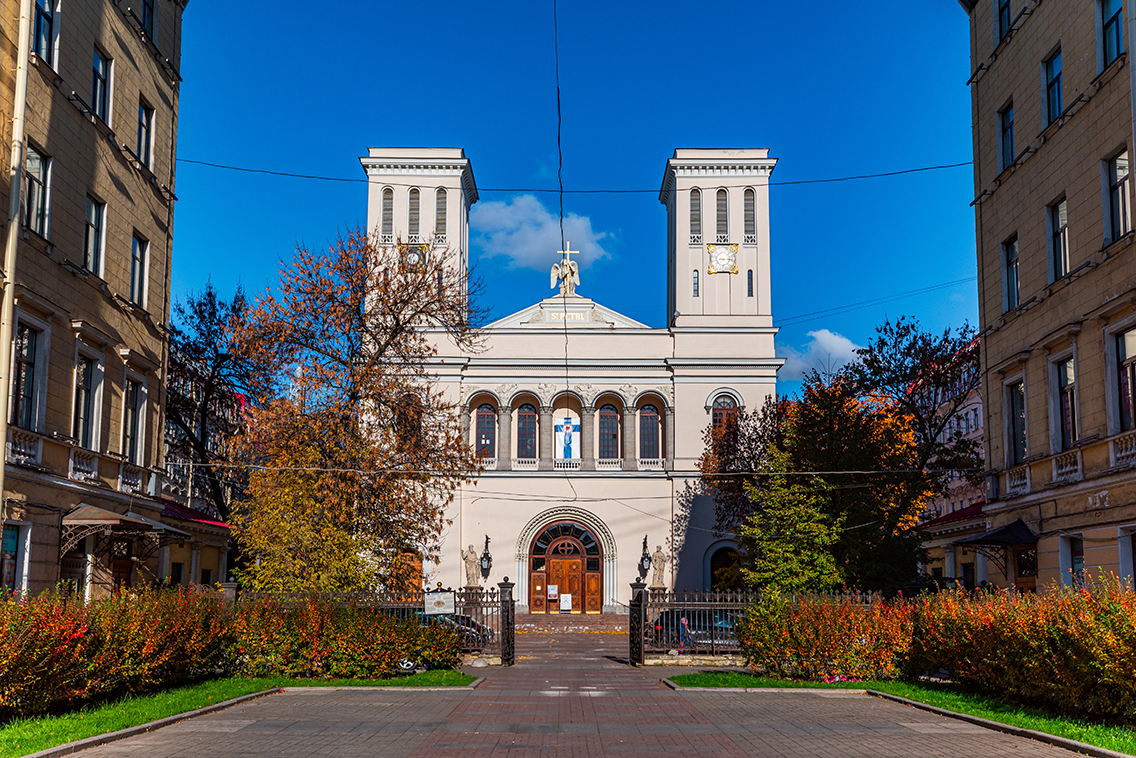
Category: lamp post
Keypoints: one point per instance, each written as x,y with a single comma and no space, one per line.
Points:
486,559
645,559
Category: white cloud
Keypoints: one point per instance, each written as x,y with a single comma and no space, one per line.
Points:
528,234
825,351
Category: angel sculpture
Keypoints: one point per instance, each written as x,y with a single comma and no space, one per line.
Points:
567,272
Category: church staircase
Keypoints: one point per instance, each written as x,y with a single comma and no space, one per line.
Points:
540,623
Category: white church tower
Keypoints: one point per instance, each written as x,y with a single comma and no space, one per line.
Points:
419,195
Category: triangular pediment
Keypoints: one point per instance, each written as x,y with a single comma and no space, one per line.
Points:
572,311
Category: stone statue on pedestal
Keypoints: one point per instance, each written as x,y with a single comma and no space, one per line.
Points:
658,563
469,557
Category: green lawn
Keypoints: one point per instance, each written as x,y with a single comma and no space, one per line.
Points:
1119,738
29,735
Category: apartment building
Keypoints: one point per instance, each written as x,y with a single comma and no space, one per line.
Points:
92,304
1051,85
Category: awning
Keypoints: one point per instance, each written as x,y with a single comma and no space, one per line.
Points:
1016,533
90,515
158,526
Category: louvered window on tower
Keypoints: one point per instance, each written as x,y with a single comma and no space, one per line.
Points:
695,217
386,236
750,230
412,232
722,231
440,217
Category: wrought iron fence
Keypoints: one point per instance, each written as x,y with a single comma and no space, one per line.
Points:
477,613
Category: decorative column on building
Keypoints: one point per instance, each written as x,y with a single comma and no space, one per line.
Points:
630,454
588,438
195,564
466,416
223,563
669,434
545,438
505,438
949,570
163,563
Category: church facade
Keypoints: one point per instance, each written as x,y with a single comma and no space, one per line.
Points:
590,450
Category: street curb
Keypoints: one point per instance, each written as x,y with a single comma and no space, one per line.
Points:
819,691
1052,739
102,739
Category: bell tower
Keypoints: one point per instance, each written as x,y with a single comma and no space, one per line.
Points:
717,204
421,196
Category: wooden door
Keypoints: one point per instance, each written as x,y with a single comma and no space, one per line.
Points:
538,592
593,593
568,576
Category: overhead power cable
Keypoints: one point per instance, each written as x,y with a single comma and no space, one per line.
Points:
560,190
803,317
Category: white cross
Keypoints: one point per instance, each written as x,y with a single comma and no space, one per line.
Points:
569,251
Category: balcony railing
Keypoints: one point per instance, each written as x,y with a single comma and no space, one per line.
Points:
696,239
1067,467
386,239
24,447
84,466
1017,481
609,464
651,464
130,478
488,463
1123,449
525,464
566,464
440,240
722,239
749,239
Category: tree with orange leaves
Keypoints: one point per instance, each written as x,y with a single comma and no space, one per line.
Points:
353,465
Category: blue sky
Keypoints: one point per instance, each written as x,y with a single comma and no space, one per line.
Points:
832,89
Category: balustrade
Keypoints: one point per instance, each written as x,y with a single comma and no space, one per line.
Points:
24,447
566,464
1067,466
651,464
1124,449
1017,481
525,464
84,466
130,479
609,464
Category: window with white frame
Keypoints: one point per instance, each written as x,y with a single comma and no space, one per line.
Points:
93,235
1066,402
1071,558
145,147
88,392
1015,407
37,177
387,229
749,217
133,420
13,558
440,216
412,219
1119,217
1005,20
25,384
100,86
695,282
1010,272
1059,238
43,32
1054,99
722,218
138,254
695,217
1126,384
1112,30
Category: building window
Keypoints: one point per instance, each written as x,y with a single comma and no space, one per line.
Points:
147,18
695,280
1054,102
1126,359
144,148
138,249
412,218
43,36
749,216
695,217
1067,402
724,408
1059,239
24,376
1004,19
609,432
1006,130
649,432
722,223
1010,262
486,431
1016,407
132,400
82,428
1119,218
100,81
526,431
387,230
440,214
93,235
749,283
1112,29
35,196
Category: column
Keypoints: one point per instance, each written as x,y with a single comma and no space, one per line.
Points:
545,451
465,416
949,570
163,563
505,438
669,433
195,565
981,569
630,452
223,563
588,438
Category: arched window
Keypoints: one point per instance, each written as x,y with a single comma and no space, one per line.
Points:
722,227
412,218
749,218
724,408
749,283
440,215
609,432
526,431
388,215
408,422
648,432
695,280
486,431
695,217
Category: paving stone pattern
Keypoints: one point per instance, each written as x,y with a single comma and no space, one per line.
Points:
571,695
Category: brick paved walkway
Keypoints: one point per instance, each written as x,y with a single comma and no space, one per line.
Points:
570,695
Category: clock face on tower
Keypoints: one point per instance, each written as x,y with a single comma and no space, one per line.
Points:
723,259
413,256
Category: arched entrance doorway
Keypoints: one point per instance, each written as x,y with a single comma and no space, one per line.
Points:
565,559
